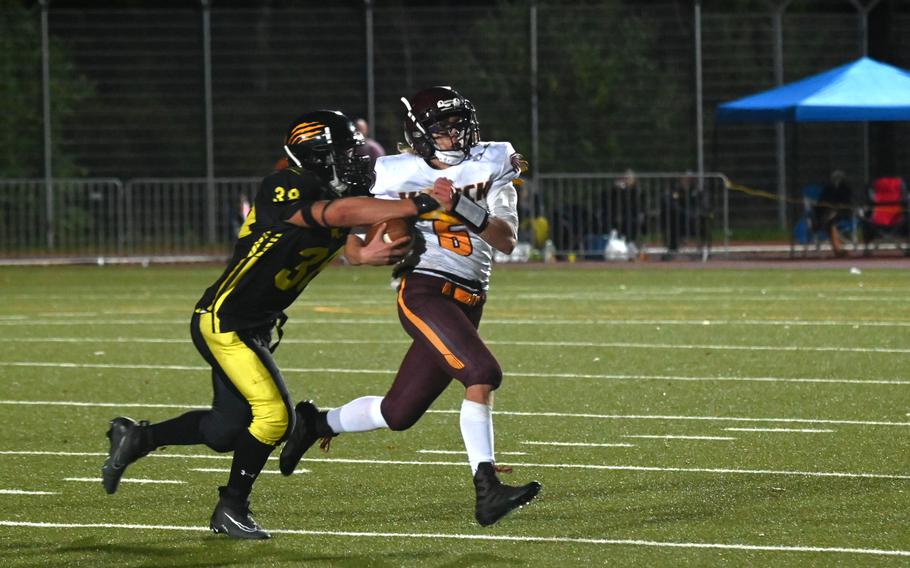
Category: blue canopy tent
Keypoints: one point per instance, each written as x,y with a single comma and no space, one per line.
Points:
861,91
864,90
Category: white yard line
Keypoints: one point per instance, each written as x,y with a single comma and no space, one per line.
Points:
69,314
676,437
699,418
797,430
391,373
580,444
619,377
25,492
228,470
302,319
637,468
158,454
500,413
486,537
126,480
706,297
705,347
173,341
101,366
556,344
462,452
605,467
101,404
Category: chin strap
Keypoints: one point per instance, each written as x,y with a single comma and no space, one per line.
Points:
450,157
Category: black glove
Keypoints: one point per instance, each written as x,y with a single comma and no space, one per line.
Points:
474,216
425,203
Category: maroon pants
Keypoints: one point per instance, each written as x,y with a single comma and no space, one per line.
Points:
442,320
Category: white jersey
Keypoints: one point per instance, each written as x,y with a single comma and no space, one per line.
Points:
486,177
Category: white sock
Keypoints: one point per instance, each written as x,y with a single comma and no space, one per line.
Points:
477,431
360,415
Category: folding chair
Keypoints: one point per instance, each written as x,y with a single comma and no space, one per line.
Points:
807,232
886,218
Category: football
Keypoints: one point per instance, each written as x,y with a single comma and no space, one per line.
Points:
394,229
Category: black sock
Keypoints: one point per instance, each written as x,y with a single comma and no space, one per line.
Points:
181,431
322,425
250,456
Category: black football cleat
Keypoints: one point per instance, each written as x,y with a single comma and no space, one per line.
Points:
129,442
306,432
232,516
495,499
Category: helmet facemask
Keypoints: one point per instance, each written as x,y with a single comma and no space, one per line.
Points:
441,111
350,168
458,129
327,143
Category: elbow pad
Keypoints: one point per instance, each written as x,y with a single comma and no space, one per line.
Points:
474,216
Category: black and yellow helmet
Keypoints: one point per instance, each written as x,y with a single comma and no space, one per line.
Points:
327,143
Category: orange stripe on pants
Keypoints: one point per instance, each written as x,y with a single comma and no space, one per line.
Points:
437,343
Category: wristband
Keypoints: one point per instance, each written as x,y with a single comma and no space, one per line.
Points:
475,216
425,203
306,211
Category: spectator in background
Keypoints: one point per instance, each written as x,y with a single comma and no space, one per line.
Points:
674,213
834,205
626,207
372,148
238,215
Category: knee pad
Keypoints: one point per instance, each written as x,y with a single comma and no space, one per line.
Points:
272,422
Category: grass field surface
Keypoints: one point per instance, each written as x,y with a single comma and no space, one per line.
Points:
675,417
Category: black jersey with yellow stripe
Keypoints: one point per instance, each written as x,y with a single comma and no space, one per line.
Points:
273,260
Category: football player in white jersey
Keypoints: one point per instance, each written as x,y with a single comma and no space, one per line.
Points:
443,288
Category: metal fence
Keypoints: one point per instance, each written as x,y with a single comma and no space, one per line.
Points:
648,213
570,215
88,216
173,216
107,217
199,88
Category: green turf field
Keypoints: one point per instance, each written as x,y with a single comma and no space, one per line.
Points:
675,417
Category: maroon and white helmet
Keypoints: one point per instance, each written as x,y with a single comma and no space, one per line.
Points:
431,111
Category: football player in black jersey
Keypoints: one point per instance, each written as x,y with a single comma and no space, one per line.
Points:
298,223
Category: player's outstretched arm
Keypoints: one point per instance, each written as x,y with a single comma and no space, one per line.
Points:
360,211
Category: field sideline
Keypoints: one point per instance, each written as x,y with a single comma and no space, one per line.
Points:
674,416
